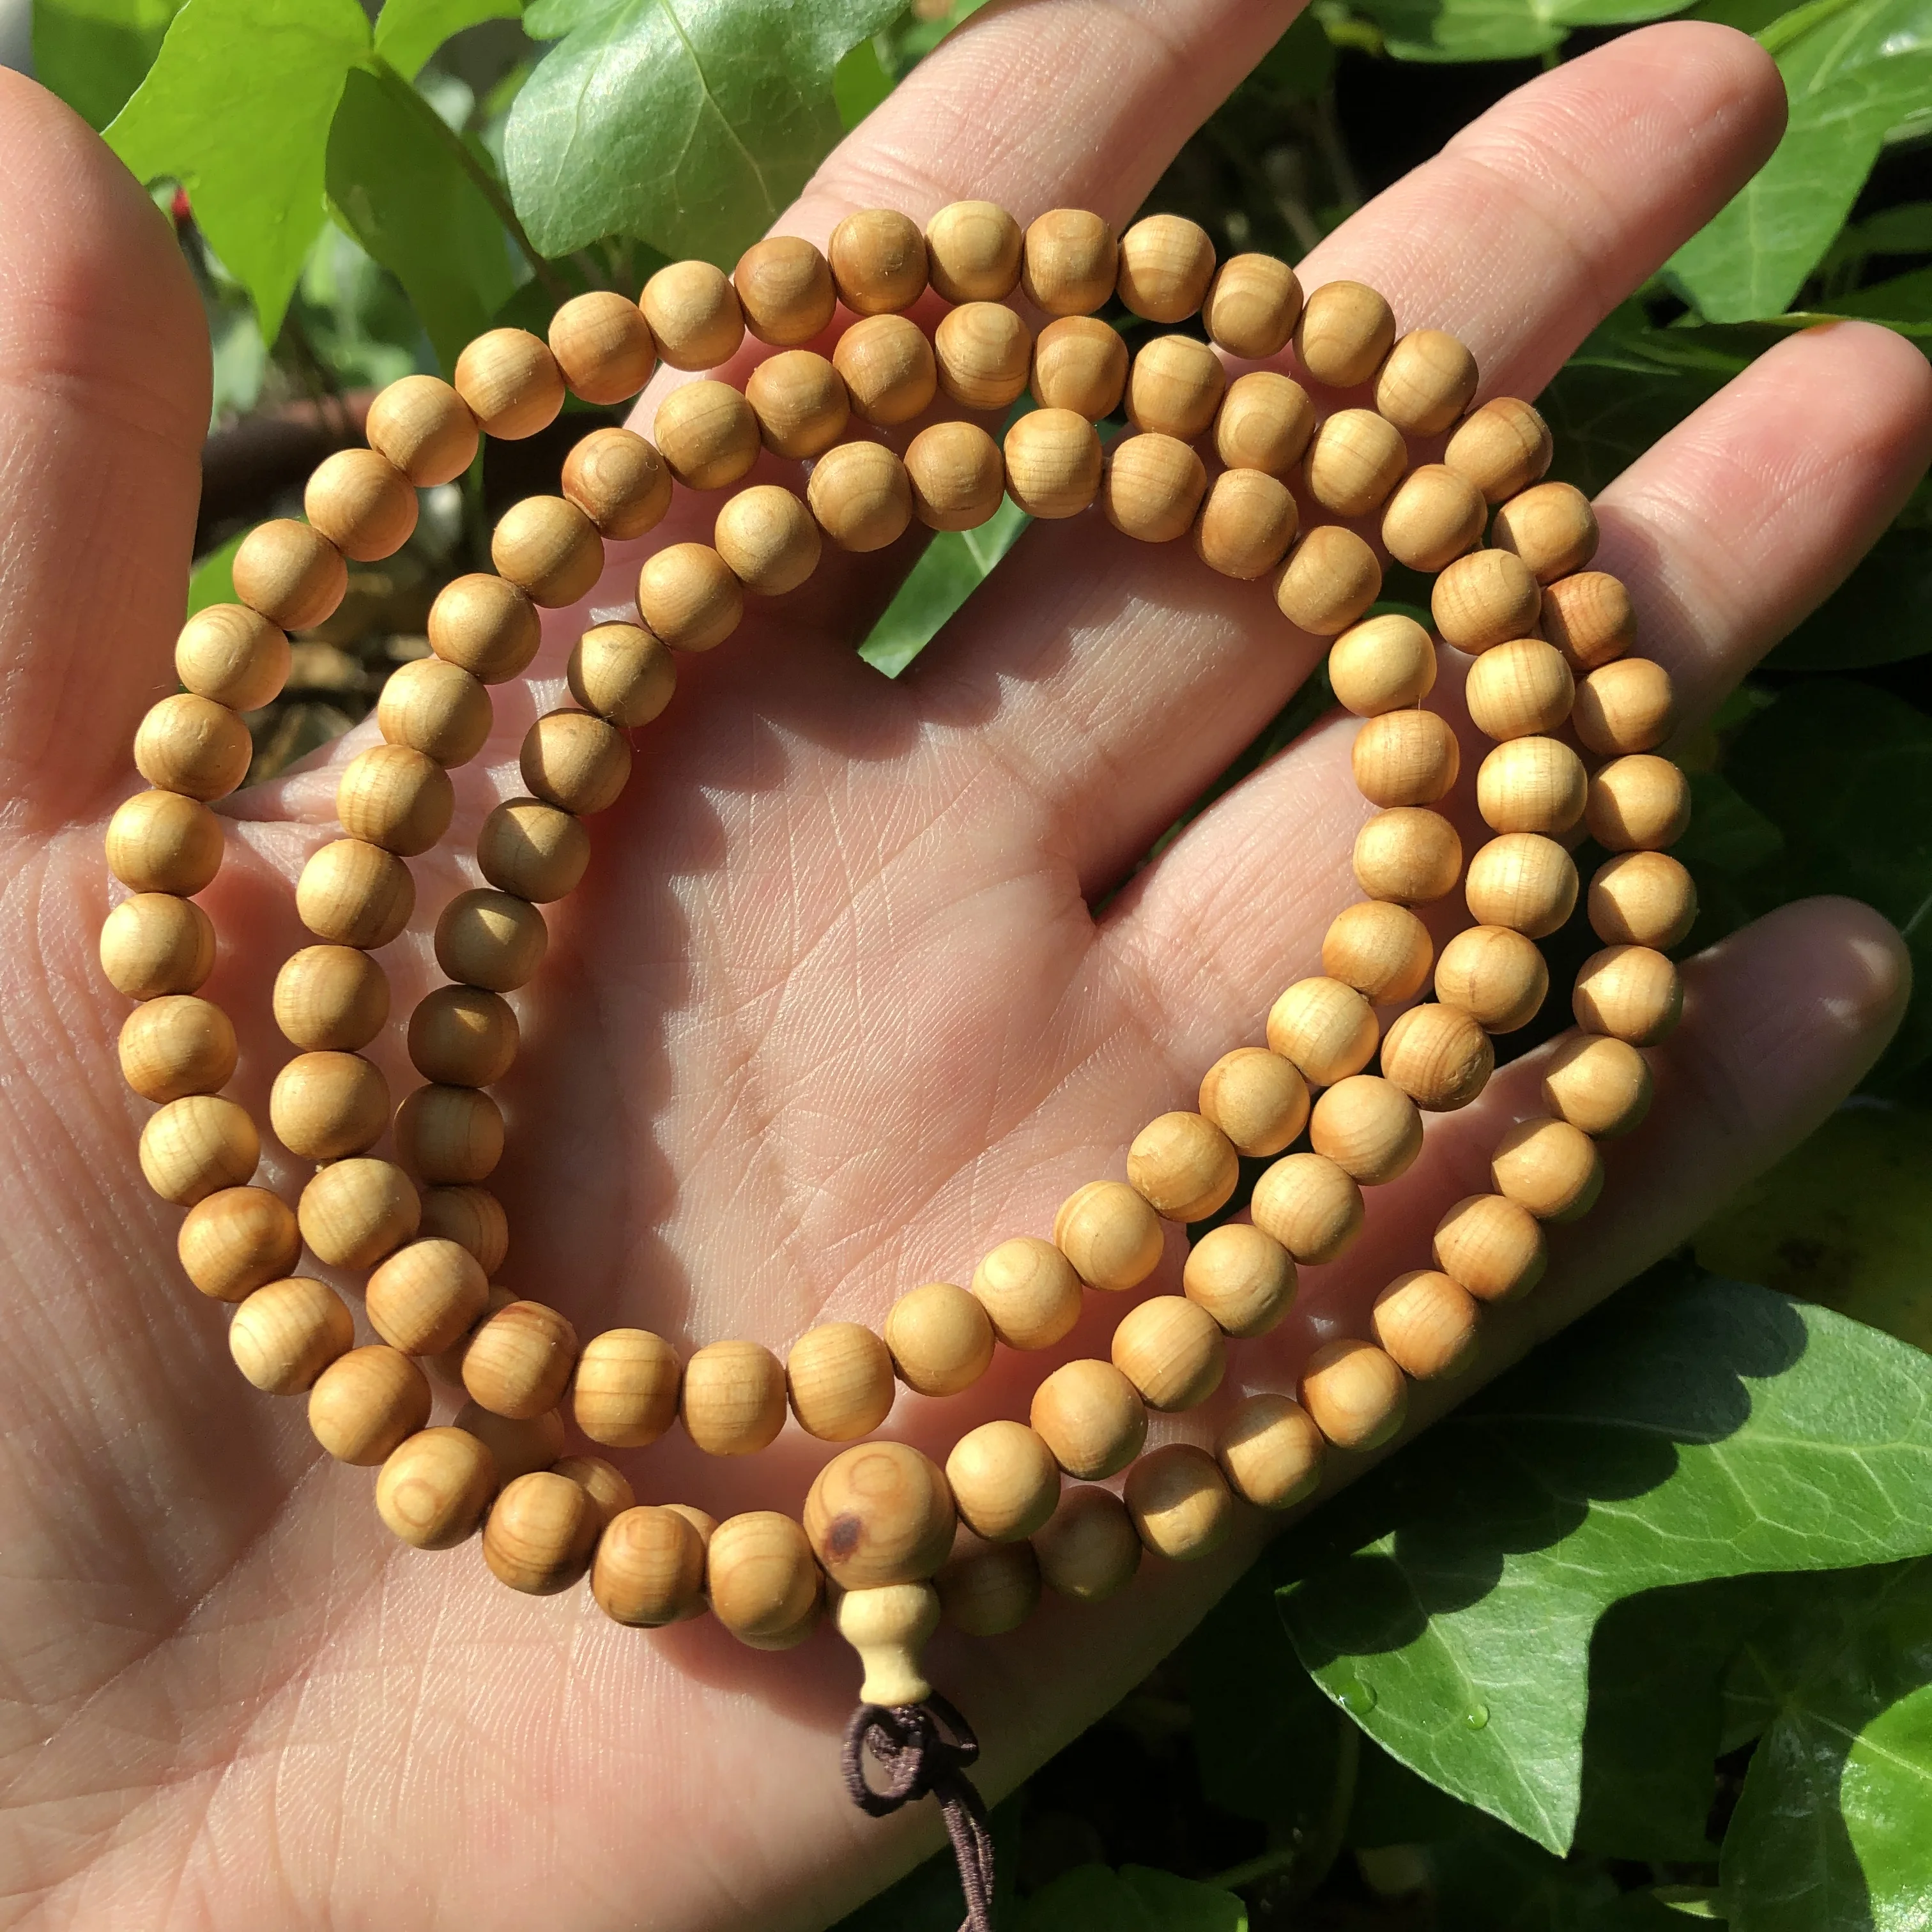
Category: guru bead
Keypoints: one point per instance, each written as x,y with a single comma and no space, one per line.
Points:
1151,487
1501,447
424,428
1069,262
1519,689
549,549
1264,422
1312,1207
176,1045
436,707
733,1398
1246,525
434,1487
519,1359
618,481
1439,1056
880,1514
576,762
1487,598
1630,992
1599,1084
1174,387
1170,1348
1251,308
1549,1167
425,1297
957,475
1405,757
785,289
1638,803
623,672
1354,459
800,403
1643,898
982,351
1005,1482
1111,1234
764,1585
1387,664
355,1212
233,1241
541,1532
862,495
197,1145
878,260
1496,977
1326,1028
603,345
1589,618
987,1589
1532,784
362,503
1330,579
1426,1323
1166,263
293,575
649,1568
1551,527
1355,1394
1089,1549
331,998
626,1391
1369,1127
839,1378
1183,1165
1433,517
1345,330
940,1338
973,252
481,625
1426,383
491,939
392,796
768,539
707,434
287,1332
1522,881
367,1402
1381,950
155,944
1029,1291
324,1106
1494,1247
1629,705
1256,1098
193,746
693,315
887,366
1271,1452
511,383
1092,1418
1181,1504
1079,365
233,655
532,850
1408,854
1053,463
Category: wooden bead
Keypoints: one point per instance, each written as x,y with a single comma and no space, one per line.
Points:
532,850
1601,1085
392,796
1426,383
1381,949
362,503
1258,1099
1589,618
355,1212
1004,1480
511,382
888,1628
1330,578
768,539
1354,459
603,345
1312,1207
331,998
1369,1127
1166,265
1434,517
1405,757
1029,1291
1355,1394
1492,1247
434,1488
785,289
625,1393
540,1533
1151,487
462,1036
435,707
1643,898
481,625
887,366
1495,976
446,1134
197,1145
1092,1418
1408,854
987,1589
424,428
649,1569
940,1338
604,1483
1271,1452
1387,664
693,315
1089,1550
957,475
982,351
290,573
1264,423
733,1398
619,481
1247,524
1327,1029
707,434
154,943
1522,881
1053,463
1426,1324
287,1332
1638,803
861,495
472,1217
1079,365
880,1514
1181,1504
1627,706
1502,447
519,1360
324,1106
623,672
233,1241
800,402
839,1378
549,549
1345,331
1551,526
233,656
367,1403
1630,992
1170,1348
1485,598
1110,1234
1068,262
1244,1279
1532,784
1251,308
576,762
193,746
176,1046
763,1586
355,894
1439,1055
1175,386
973,252
878,261
491,939
519,1446
1184,1166
1549,1167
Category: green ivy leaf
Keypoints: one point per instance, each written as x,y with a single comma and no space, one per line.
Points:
1137,1898
1479,30
952,567
93,53
237,109
408,31
691,124
1602,418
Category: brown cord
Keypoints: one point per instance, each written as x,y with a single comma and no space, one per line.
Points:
919,1756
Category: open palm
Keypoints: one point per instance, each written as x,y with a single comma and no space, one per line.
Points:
829,1017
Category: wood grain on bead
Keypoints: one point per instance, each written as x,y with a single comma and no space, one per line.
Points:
940,1338
434,1488
988,1589
1381,949
1386,664
1354,459
290,573
623,672
1599,1084
707,434
1551,526
1244,1279
1183,1165
768,539
1633,993
1079,365
800,403
649,1568
424,428
425,1298
392,796
733,1398
887,366
1405,757
1427,382
1638,803
839,1378
324,1106
575,761
1486,598
511,383
878,260
176,1046
1494,976
763,1585
1110,1234
541,1532
603,345
625,1391
1433,517
532,850
519,1360
518,1447
355,1212
982,352
155,944
1053,463
331,998
1069,262
1029,1291
1523,880
1589,618
785,290
619,481
957,475
1252,307
362,503
1311,1206
1271,1452
367,1402
1180,1502
1170,1348
481,625
195,1146
1091,1417
1005,1483
355,894
1493,1247
1369,1127
1355,1394
1246,524
1345,330
549,549
233,1241
1151,487
1174,387
1548,1167
608,1488
861,496
471,1217
1256,1098
879,1513
1408,854
1439,1056
1166,265
1330,578
286,1332
1327,1029
491,939
1426,1324
1643,898
1532,784
1520,689
1089,1549
973,252
1265,423
693,315
193,746
436,707
232,655
1502,447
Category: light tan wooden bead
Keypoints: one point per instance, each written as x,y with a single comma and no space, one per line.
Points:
1184,1166
1549,1167
511,382
1486,598
768,540
1166,263
1327,1029
973,252
764,1585
1092,1418
878,261
197,1145
1151,487
574,761
1090,1549
888,1628
1271,1452
519,1446
623,672
1643,898
1408,854
231,655
1551,526
1589,618
434,1488
355,894
362,503
649,1568
1638,803
446,1134
447,1366
1369,1127
1522,881
392,796
1053,463
693,315
603,345
355,1212
940,1338
1355,1394
367,1403
1492,1246
1426,1324
880,1514
1265,423
1110,1234
519,1360
861,495
176,1046
1627,706
1181,1503
155,944
1630,992
839,1378
472,1217
1170,1348
1387,664
1312,1207
625,1392
1257,1099
800,402
1502,447
619,481
1354,460
1345,330
1079,365
1004,1480
957,474
1532,784
541,1531
427,1297
988,1589
982,351
1175,386
1029,1290
1405,757
733,1398
488,629
331,998
533,851
707,434
1426,383
1252,307
1247,524
424,428
1381,949
491,939
1434,517
1330,578
549,549
233,1240
1069,262
784,290
1494,976
292,574
324,1106
462,1036
435,707
193,746
1439,1055
1244,1279
887,366
286,1332
606,1486
1601,1085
